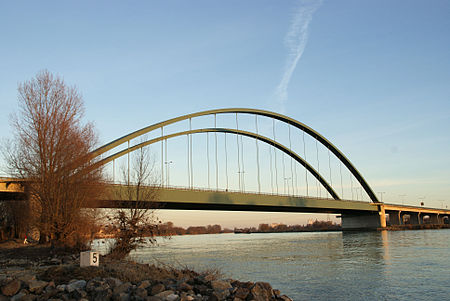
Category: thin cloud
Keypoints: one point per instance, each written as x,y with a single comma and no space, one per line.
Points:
295,41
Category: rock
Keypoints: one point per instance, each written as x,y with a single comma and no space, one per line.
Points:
153,298
201,289
164,294
103,294
215,297
144,284
18,296
220,285
285,298
141,292
187,298
261,291
30,297
36,285
158,288
55,261
78,294
27,278
3,298
123,288
184,287
11,288
78,284
113,282
121,297
172,297
237,299
61,287
241,293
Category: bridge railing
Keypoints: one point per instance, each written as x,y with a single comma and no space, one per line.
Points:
222,190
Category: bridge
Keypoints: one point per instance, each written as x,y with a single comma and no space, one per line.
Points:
287,167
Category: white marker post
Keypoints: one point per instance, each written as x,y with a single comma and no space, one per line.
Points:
89,258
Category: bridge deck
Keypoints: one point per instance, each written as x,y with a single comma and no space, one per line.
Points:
178,198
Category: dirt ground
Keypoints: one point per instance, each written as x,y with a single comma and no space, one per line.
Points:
16,249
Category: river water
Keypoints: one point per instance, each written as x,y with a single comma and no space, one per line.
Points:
395,265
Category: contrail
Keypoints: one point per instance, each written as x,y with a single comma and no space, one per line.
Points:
295,41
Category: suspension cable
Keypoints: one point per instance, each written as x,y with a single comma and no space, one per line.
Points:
166,162
207,157
226,160
238,155
192,166
271,169
284,176
114,171
188,160
275,154
128,162
342,185
217,164
290,154
318,166
351,184
329,165
306,171
162,157
242,161
257,154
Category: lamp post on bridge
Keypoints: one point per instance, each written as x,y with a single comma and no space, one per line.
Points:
286,183
168,171
381,195
402,198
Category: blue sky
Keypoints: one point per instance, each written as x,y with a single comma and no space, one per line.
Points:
371,76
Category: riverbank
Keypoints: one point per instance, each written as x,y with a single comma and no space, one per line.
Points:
36,272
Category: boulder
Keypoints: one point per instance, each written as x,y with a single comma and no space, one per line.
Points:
11,288
18,296
172,297
241,293
36,285
164,294
141,292
261,291
144,284
220,285
158,288
73,285
184,287
123,288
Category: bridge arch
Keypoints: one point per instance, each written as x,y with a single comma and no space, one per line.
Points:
314,134
267,140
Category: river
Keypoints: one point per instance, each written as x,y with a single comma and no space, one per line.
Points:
394,265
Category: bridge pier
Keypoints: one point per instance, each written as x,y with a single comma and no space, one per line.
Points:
363,221
395,218
415,218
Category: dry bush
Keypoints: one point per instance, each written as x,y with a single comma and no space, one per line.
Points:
136,225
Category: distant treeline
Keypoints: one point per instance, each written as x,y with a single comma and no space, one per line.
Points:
169,229
274,228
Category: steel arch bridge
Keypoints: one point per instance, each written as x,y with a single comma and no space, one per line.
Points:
98,153
354,214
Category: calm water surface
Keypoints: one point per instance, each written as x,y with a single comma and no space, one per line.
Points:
401,265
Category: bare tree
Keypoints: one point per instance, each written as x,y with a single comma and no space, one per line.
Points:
51,151
137,224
